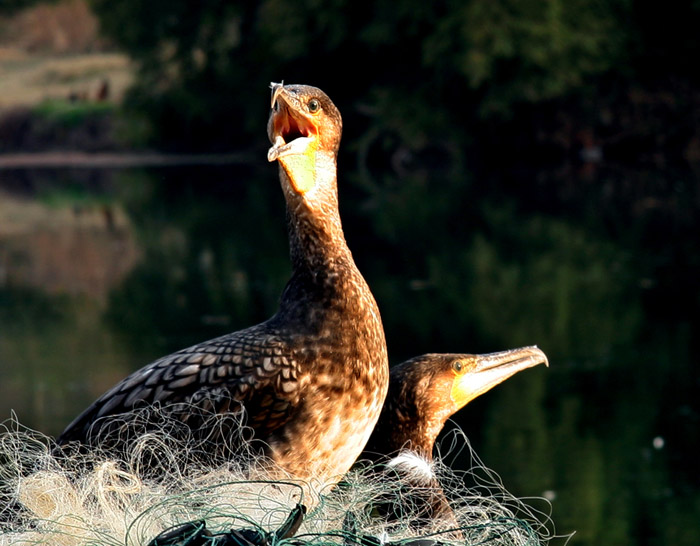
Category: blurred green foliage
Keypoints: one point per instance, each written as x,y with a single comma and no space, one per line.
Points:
71,114
203,64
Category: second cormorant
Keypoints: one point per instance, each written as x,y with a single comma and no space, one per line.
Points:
424,392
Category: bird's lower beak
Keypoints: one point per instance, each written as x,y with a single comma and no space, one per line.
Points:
491,369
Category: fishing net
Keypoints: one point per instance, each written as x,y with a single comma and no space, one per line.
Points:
157,484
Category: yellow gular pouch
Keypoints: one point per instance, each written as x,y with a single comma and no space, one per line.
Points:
461,393
301,169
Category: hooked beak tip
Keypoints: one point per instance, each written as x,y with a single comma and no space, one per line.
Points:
276,90
543,356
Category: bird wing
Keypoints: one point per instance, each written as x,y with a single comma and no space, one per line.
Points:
253,368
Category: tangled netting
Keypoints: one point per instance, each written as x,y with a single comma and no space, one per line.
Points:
72,497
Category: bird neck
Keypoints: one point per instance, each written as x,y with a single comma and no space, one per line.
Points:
421,443
316,237
401,427
384,444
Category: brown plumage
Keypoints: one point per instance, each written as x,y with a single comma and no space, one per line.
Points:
311,379
424,392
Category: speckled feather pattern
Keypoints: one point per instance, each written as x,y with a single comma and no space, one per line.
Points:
312,378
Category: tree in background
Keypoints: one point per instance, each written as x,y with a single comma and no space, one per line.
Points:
424,70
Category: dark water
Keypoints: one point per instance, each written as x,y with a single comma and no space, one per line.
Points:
102,271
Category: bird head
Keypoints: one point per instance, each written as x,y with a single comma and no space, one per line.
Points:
473,375
436,386
305,129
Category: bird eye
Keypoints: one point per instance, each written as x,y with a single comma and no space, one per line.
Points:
314,106
458,366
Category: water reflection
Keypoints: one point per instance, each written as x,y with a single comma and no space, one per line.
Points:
104,271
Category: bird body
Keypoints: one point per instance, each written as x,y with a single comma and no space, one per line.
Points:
310,381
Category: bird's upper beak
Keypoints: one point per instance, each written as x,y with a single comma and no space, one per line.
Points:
489,370
276,90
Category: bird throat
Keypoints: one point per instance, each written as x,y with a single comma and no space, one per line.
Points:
301,170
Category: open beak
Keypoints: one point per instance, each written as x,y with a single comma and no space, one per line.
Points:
290,130
489,370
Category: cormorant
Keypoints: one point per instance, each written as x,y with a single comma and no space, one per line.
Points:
310,381
424,392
